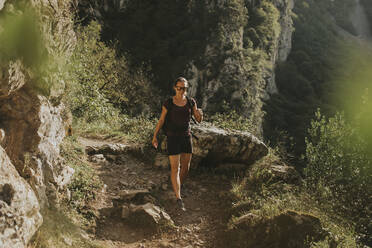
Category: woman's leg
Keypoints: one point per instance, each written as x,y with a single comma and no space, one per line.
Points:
185,159
175,174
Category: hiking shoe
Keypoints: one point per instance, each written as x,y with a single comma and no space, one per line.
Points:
180,205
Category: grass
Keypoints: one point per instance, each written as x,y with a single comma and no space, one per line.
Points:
124,129
64,227
84,183
257,194
59,231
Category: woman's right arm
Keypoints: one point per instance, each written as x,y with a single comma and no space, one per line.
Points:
158,126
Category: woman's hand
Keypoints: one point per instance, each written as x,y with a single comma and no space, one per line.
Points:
155,142
198,114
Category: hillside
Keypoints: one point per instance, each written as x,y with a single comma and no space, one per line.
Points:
283,156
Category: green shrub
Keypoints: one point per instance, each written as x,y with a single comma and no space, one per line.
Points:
232,120
103,84
85,182
339,168
258,194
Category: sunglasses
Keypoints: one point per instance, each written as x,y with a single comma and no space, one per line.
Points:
181,88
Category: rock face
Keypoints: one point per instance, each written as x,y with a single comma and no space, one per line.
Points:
32,125
235,77
282,45
232,67
19,207
32,173
34,129
13,79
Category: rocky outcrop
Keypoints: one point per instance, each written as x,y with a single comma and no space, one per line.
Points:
32,124
289,229
230,71
34,129
19,207
282,44
32,173
147,216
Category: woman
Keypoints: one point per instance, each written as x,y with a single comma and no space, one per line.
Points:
179,141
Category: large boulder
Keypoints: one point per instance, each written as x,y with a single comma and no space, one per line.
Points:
148,217
215,146
19,207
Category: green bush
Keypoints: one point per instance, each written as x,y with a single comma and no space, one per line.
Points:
232,120
339,168
103,84
85,182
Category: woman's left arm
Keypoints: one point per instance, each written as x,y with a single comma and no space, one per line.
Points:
198,113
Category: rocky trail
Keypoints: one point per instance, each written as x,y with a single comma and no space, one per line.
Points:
130,181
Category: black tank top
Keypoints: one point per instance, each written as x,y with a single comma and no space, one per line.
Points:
179,118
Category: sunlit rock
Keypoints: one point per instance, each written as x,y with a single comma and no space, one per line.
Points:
19,207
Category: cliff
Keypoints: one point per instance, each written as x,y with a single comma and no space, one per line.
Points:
32,173
227,49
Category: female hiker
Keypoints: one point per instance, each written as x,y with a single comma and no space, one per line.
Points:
177,112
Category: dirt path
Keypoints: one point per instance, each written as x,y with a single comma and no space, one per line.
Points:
202,225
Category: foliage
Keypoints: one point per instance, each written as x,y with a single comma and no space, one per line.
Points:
84,182
58,230
165,35
169,36
340,10
102,84
21,40
263,27
306,80
339,168
125,129
257,193
231,120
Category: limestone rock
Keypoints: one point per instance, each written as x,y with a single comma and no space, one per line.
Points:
149,216
216,146
2,136
14,79
35,129
2,4
19,208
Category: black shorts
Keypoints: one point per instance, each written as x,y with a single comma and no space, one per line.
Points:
179,144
